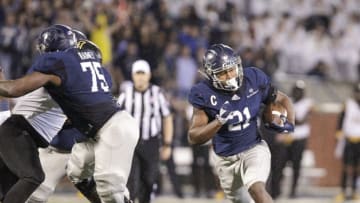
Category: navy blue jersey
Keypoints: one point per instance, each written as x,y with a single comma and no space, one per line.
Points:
246,103
66,138
84,94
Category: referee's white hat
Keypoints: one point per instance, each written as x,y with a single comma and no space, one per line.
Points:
140,66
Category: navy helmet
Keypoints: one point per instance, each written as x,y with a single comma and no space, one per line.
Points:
79,35
89,45
57,37
218,58
84,44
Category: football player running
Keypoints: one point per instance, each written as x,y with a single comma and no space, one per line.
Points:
76,80
226,107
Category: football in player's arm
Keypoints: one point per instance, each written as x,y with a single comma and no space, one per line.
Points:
226,107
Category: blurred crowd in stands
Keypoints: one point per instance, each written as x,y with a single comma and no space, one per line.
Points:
302,37
316,37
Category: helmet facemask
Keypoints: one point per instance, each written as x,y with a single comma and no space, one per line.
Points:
231,84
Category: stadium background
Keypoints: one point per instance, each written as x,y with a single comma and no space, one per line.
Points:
313,40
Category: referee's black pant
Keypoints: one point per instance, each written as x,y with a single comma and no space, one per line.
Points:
20,169
281,155
144,170
351,160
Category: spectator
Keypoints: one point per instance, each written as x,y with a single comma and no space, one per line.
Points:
186,71
349,130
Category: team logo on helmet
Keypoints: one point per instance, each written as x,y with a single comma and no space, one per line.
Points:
218,58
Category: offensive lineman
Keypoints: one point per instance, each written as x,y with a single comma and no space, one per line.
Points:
76,81
54,158
47,118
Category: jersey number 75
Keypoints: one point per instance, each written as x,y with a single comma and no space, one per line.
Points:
97,77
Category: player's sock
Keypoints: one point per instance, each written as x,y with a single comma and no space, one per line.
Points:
88,189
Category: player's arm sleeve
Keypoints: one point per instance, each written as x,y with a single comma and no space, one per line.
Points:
196,98
268,90
49,64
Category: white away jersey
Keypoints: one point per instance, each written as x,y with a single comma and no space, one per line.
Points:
42,112
302,109
351,123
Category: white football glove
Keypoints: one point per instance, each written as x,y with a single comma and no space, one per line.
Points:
225,113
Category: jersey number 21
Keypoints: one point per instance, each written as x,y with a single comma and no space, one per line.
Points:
243,117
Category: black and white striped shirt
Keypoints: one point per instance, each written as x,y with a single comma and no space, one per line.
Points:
148,108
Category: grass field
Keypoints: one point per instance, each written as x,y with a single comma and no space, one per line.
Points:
72,198
307,193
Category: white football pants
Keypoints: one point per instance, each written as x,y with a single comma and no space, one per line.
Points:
109,155
54,166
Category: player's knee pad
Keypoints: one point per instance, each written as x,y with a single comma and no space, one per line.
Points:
36,178
78,171
74,172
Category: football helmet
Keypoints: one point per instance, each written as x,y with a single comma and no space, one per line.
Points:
84,44
57,37
79,35
89,45
219,58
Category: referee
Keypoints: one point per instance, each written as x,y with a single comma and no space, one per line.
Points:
148,105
